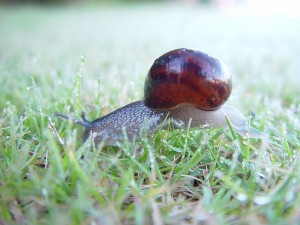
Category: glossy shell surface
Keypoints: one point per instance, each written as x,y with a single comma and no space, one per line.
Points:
185,76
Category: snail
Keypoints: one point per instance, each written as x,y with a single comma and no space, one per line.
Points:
183,88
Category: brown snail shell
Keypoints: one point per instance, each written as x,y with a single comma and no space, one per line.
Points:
185,76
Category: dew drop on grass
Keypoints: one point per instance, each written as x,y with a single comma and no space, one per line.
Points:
241,197
289,196
268,170
162,157
44,192
82,59
262,200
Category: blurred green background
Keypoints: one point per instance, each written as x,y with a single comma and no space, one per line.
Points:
259,43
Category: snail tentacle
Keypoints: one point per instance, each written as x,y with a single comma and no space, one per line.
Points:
85,123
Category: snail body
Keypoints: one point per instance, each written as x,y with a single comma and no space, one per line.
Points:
171,89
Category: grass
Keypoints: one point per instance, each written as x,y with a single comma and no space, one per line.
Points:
95,60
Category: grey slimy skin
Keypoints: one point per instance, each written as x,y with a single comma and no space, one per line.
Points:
136,117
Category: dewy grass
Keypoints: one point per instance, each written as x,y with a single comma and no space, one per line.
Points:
48,175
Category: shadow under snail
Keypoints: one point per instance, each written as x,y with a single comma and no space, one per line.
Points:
184,88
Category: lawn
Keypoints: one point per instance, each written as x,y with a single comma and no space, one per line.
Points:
95,59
